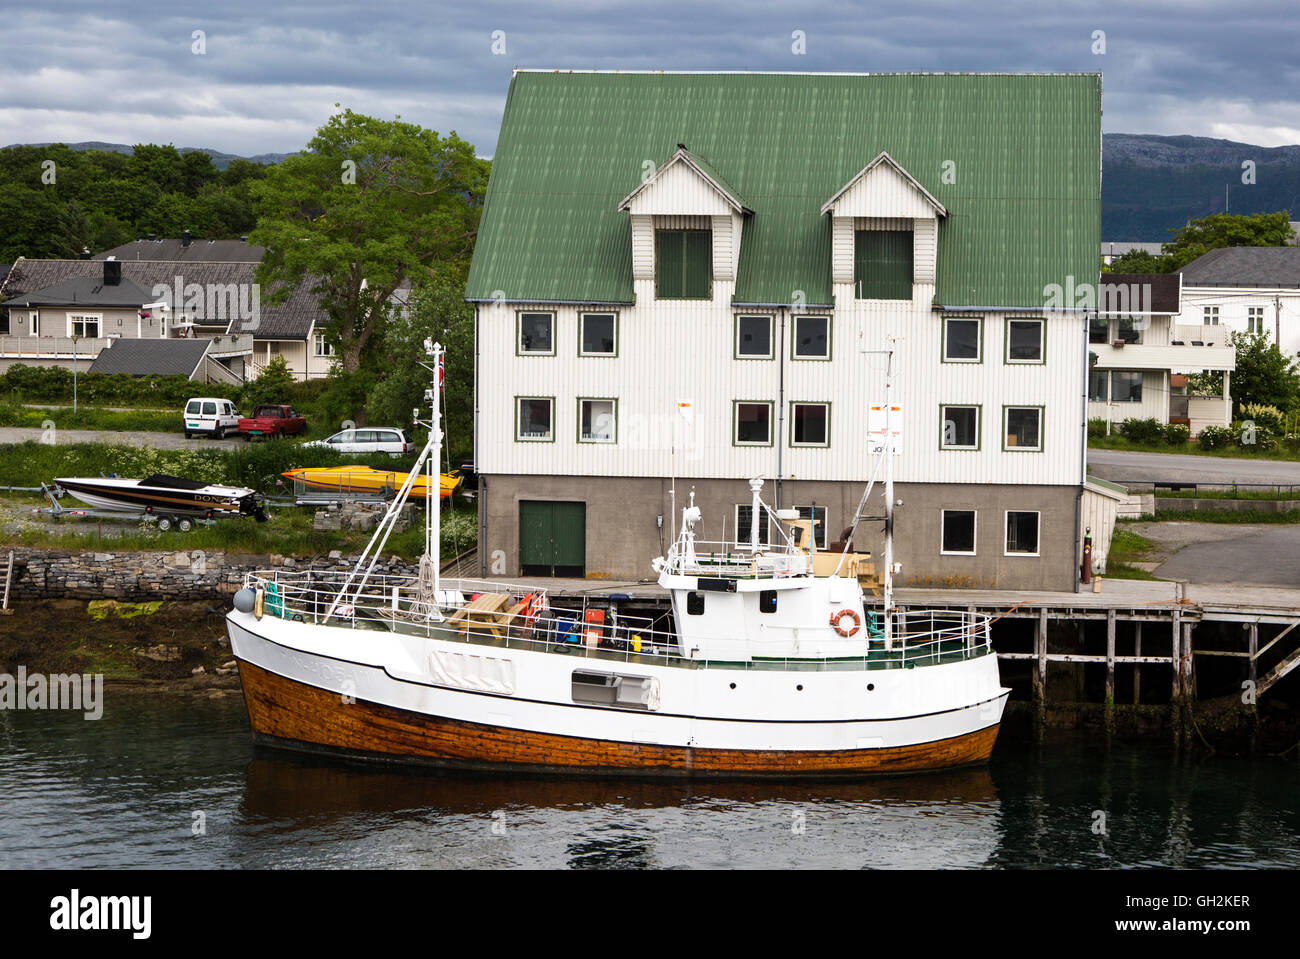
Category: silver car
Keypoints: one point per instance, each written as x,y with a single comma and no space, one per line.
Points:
378,439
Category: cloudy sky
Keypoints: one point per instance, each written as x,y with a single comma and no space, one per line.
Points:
261,77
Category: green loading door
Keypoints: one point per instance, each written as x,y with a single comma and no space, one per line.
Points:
552,538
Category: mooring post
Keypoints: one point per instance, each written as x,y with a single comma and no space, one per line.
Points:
1175,660
1253,639
1040,673
1110,669
1137,667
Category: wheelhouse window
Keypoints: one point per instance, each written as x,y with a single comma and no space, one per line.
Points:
1025,341
1024,427
882,264
959,531
534,419
596,422
754,338
684,264
818,515
1125,387
961,428
87,326
537,334
1022,533
598,334
961,340
812,338
744,519
694,604
753,424
810,424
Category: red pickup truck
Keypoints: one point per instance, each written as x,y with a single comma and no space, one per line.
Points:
276,421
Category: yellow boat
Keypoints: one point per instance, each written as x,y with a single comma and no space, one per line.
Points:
364,479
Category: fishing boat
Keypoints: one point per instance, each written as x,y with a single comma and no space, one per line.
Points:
346,480
767,667
163,495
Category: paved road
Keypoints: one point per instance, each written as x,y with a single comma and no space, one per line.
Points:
1226,553
158,440
1119,466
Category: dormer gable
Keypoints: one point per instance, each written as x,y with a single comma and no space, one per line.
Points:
884,189
684,185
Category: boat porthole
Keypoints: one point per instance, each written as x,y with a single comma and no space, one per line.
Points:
733,685
871,687
799,687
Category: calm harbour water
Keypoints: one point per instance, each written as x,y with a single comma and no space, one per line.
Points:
122,793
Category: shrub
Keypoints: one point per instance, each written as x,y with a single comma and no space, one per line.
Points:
272,385
1096,429
1253,436
1149,430
1177,434
1216,437
1269,417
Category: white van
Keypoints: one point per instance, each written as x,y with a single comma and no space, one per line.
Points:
368,440
210,416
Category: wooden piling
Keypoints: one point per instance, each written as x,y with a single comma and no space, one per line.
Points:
1040,673
1137,667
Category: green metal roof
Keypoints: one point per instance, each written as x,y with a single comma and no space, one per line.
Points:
1025,152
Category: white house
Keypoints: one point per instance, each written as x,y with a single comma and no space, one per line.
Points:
1249,289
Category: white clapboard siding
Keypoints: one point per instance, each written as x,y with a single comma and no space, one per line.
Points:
679,189
925,240
884,192
683,349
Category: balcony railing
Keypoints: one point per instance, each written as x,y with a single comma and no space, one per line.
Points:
52,347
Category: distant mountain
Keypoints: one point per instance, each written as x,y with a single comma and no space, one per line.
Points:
219,160
1153,184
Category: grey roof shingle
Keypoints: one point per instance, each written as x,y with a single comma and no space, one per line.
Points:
199,251
1262,266
142,357
86,291
291,320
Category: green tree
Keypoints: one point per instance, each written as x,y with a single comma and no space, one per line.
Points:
1264,374
438,312
1226,230
1138,261
271,385
371,204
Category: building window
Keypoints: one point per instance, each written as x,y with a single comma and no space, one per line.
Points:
744,513
534,419
596,423
961,428
958,531
812,338
961,340
818,515
1022,533
1025,341
4,322
754,338
1129,330
597,334
1098,330
1023,427
1254,319
684,264
1125,387
1097,385
83,326
810,424
882,264
536,334
36,324
753,424
1210,316
322,346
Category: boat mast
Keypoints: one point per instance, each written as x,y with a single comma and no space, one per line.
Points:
433,510
889,499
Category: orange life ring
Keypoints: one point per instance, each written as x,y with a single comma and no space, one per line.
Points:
839,615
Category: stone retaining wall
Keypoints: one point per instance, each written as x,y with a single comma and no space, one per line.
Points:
138,576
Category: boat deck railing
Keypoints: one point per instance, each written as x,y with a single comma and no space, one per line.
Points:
737,561
490,613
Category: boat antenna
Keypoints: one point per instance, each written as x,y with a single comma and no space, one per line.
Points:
889,447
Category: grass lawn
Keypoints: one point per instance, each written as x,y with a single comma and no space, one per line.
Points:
1247,517
90,418
1285,451
1127,547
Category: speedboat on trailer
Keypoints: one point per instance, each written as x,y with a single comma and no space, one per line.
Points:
164,495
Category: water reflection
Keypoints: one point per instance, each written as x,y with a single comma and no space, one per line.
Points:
122,792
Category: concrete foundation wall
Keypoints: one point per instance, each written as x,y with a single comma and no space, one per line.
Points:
623,535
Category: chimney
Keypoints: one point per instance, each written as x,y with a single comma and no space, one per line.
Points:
112,272
85,253
152,237
185,239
